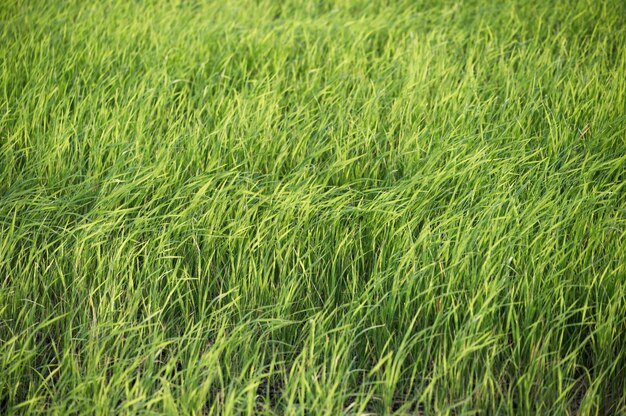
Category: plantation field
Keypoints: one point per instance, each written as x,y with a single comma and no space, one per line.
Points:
313,207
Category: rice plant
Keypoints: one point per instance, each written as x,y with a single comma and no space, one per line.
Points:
313,207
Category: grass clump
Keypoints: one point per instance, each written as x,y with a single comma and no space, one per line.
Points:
305,207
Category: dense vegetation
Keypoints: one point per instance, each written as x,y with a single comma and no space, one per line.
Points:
310,207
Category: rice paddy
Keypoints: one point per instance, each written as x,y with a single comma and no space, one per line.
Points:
313,207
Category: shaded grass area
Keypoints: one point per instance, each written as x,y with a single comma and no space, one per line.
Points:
313,207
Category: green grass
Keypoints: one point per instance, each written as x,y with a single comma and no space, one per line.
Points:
307,207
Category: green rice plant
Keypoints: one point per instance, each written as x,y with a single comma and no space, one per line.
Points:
313,207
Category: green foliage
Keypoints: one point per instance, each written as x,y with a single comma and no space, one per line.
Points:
313,207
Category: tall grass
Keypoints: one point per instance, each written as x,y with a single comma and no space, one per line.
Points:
308,207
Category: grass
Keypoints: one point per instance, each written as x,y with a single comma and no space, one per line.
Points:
309,207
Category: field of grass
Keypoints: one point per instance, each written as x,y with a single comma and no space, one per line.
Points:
310,207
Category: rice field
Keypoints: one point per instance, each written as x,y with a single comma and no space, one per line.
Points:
313,207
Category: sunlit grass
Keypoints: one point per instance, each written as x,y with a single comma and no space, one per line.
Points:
307,207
